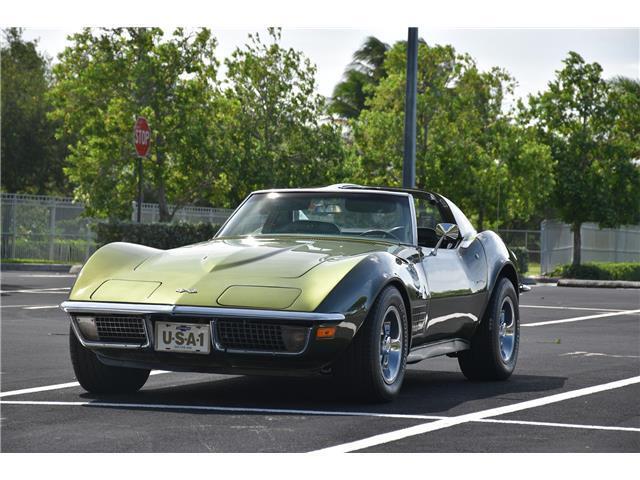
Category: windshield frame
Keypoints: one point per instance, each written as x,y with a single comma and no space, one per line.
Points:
407,196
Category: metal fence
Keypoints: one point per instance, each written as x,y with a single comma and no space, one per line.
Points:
529,239
45,228
151,214
38,227
598,245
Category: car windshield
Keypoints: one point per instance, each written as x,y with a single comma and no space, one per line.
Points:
373,215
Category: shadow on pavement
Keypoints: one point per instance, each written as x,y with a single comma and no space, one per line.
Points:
423,393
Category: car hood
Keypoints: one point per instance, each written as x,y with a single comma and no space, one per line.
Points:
275,273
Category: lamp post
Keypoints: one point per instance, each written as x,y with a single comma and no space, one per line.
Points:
409,164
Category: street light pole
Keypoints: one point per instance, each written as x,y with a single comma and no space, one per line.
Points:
409,165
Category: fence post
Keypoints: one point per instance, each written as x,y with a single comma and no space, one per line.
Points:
14,225
52,229
543,248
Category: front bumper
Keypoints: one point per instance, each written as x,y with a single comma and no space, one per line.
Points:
314,356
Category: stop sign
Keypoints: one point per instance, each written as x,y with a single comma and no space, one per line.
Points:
142,136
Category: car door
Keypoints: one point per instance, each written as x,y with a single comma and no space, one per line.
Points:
455,275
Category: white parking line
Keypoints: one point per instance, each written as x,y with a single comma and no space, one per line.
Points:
289,411
579,319
39,290
594,354
470,417
50,275
41,307
573,308
55,387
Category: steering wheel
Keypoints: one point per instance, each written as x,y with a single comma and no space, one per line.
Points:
377,233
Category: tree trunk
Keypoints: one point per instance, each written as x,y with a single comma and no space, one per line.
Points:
577,244
165,215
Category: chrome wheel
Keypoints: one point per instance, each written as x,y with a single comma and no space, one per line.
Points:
507,329
391,345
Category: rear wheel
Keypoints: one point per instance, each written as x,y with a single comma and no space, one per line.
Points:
373,366
96,377
494,347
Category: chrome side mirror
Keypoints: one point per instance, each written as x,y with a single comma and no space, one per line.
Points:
445,230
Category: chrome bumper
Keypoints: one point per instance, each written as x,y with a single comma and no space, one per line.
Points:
75,307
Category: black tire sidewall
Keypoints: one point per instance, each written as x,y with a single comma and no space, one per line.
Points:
504,289
388,297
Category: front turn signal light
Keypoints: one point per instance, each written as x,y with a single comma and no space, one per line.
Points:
325,333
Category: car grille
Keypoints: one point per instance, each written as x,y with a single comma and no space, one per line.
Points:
121,329
250,335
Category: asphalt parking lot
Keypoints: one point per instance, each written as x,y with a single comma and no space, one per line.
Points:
575,389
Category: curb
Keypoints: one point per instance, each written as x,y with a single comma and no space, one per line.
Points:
535,280
36,267
570,282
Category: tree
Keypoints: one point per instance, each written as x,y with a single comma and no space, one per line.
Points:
468,146
282,140
365,71
104,80
591,127
31,157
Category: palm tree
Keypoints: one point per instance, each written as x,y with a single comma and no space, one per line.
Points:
367,68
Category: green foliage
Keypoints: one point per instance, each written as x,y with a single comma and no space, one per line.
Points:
600,271
157,235
469,146
359,79
279,137
591,127
522,256
104,80
31,157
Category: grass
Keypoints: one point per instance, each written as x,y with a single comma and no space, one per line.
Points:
533,271
28,260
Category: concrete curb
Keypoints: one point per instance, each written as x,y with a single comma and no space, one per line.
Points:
536,280
36,267
570,282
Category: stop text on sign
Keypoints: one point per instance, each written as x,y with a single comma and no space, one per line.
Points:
142,136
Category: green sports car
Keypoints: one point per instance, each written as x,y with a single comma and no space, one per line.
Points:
348,281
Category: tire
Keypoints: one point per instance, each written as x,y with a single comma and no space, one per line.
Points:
96,377
494,347
373,366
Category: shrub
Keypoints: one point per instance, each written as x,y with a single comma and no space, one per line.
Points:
157,235
600,271
522,255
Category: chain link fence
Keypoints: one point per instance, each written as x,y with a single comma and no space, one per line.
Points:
43,228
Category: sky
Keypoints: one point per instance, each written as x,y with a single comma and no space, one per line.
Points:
530,55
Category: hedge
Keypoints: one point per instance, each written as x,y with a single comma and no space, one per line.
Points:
157,235
522,255
600,271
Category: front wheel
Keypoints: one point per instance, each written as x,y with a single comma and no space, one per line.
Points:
494,347
96,377
373,366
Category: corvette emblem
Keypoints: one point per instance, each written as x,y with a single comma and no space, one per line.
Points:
187,290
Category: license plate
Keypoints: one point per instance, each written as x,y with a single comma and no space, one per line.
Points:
182,337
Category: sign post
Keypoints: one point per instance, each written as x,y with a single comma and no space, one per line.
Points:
142,139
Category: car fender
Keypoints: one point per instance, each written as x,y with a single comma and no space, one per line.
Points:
356,293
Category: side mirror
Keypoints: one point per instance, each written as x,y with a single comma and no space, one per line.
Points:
445,230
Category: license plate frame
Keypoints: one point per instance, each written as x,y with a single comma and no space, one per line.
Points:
183,337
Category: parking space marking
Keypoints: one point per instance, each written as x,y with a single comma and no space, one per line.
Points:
39,290
55,387
41,307
470,417
51,275
289,411
594,354
579,319
549,307
560,425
